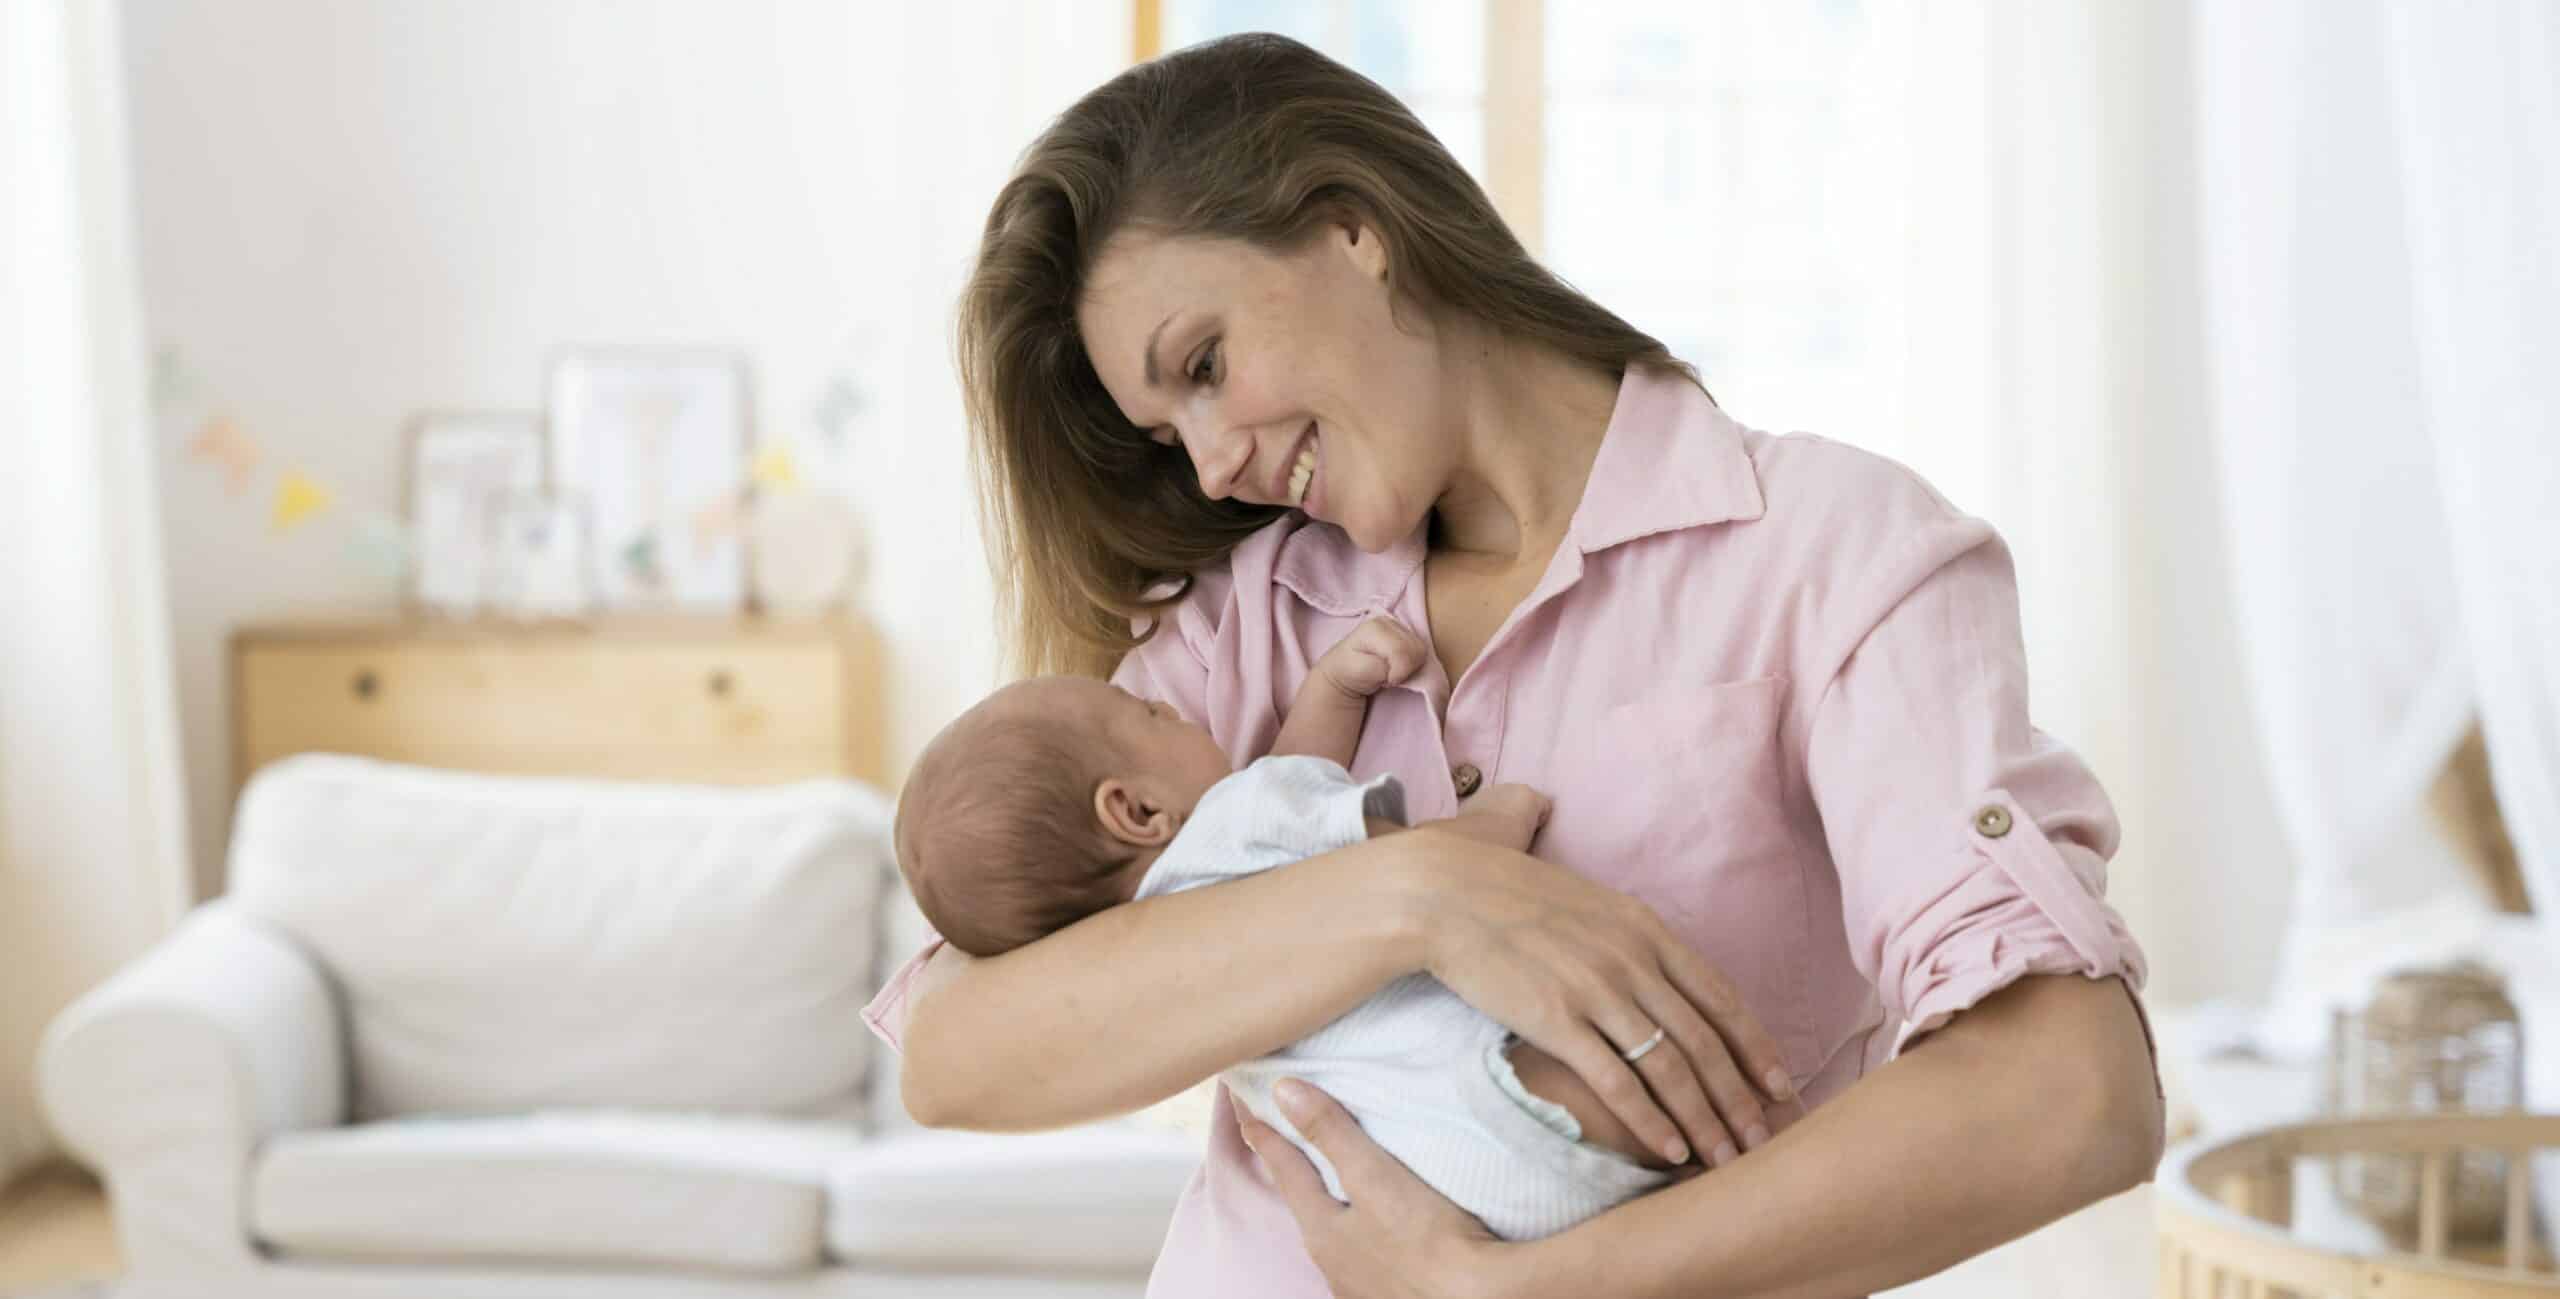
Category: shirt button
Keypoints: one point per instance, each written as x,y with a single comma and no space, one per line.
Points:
1467,778
1992,821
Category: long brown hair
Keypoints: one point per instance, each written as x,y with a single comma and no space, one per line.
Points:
1090,524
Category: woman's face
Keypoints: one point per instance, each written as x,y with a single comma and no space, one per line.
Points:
1284,376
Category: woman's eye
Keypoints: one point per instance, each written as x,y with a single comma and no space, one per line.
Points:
1203,369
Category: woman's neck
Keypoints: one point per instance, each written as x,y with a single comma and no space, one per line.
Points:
1534,419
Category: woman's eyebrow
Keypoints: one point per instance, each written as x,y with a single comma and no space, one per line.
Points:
1152,380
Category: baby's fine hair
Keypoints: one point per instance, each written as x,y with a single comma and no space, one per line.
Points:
996,832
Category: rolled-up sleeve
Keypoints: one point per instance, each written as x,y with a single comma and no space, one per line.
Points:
887,1014
1972,848
1169,668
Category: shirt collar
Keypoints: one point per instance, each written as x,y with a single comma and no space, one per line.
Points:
1670,459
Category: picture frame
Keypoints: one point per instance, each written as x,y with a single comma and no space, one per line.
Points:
655,442
542,569
459,467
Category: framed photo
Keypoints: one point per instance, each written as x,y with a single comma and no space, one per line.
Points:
463,467
541,572
654,442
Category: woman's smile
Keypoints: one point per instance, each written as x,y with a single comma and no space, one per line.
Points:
1302,471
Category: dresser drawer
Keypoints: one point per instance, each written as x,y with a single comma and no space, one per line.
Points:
705,707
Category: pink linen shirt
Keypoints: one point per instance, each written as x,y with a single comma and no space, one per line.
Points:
1776,688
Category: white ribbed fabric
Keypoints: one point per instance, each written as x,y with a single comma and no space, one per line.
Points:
1422,1070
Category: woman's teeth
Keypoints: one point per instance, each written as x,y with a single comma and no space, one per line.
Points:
1302,474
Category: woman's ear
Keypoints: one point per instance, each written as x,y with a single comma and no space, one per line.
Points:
1360,241
1131,817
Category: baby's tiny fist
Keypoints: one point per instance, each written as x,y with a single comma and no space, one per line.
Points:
1402,650
1377,654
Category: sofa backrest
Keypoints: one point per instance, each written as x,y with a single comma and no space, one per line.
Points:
512,943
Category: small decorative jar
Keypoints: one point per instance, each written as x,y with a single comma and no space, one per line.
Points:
2431,1041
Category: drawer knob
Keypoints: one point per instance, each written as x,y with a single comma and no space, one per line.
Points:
721,683
366,683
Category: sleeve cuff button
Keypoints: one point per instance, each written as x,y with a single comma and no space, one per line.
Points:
1992,822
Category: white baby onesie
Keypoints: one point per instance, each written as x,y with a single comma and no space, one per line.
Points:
1423,1071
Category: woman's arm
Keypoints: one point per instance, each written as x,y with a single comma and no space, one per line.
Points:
1129,1006
2032,1103
2051,1075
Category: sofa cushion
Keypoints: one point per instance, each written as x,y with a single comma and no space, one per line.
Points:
715,1192
1096,1197
509,943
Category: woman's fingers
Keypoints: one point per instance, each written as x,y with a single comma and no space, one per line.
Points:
1750,1045
1615,1082
1292,1173
1587,972
1397,1236
1696,1079
1691,1078
1357,1161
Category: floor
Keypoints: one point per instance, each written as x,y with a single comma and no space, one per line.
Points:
54,1229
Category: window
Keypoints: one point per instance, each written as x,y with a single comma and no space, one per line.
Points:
1428,53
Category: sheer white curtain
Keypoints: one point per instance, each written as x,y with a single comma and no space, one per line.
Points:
2476,118
2380,183
92,827
2476,107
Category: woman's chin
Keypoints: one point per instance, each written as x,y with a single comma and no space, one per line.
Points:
1371,536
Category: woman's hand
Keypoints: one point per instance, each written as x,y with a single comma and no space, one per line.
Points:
1398,1238
1584,973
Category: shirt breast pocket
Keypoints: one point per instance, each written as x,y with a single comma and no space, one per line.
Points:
1686,786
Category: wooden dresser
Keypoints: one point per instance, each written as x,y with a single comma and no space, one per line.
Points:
715,700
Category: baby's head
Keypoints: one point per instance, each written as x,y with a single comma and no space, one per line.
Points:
1044,804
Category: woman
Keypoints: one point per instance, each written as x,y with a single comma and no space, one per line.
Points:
1251,359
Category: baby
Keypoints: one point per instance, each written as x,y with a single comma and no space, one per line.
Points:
1057,797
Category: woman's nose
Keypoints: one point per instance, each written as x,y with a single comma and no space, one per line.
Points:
1219,456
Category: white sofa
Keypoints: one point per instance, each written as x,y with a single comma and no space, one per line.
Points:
461,1035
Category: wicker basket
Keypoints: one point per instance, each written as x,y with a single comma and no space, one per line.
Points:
2225,1209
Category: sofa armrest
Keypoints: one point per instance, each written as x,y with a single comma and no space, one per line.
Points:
167,1076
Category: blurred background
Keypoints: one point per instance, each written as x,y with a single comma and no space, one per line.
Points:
2237,319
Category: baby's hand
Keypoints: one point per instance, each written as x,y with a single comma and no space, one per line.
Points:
1377,654
1505,816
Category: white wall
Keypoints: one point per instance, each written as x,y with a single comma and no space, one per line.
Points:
351,212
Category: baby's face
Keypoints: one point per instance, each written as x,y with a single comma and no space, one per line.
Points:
1177,753
1174,760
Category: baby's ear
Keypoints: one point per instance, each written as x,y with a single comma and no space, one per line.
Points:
1131,817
